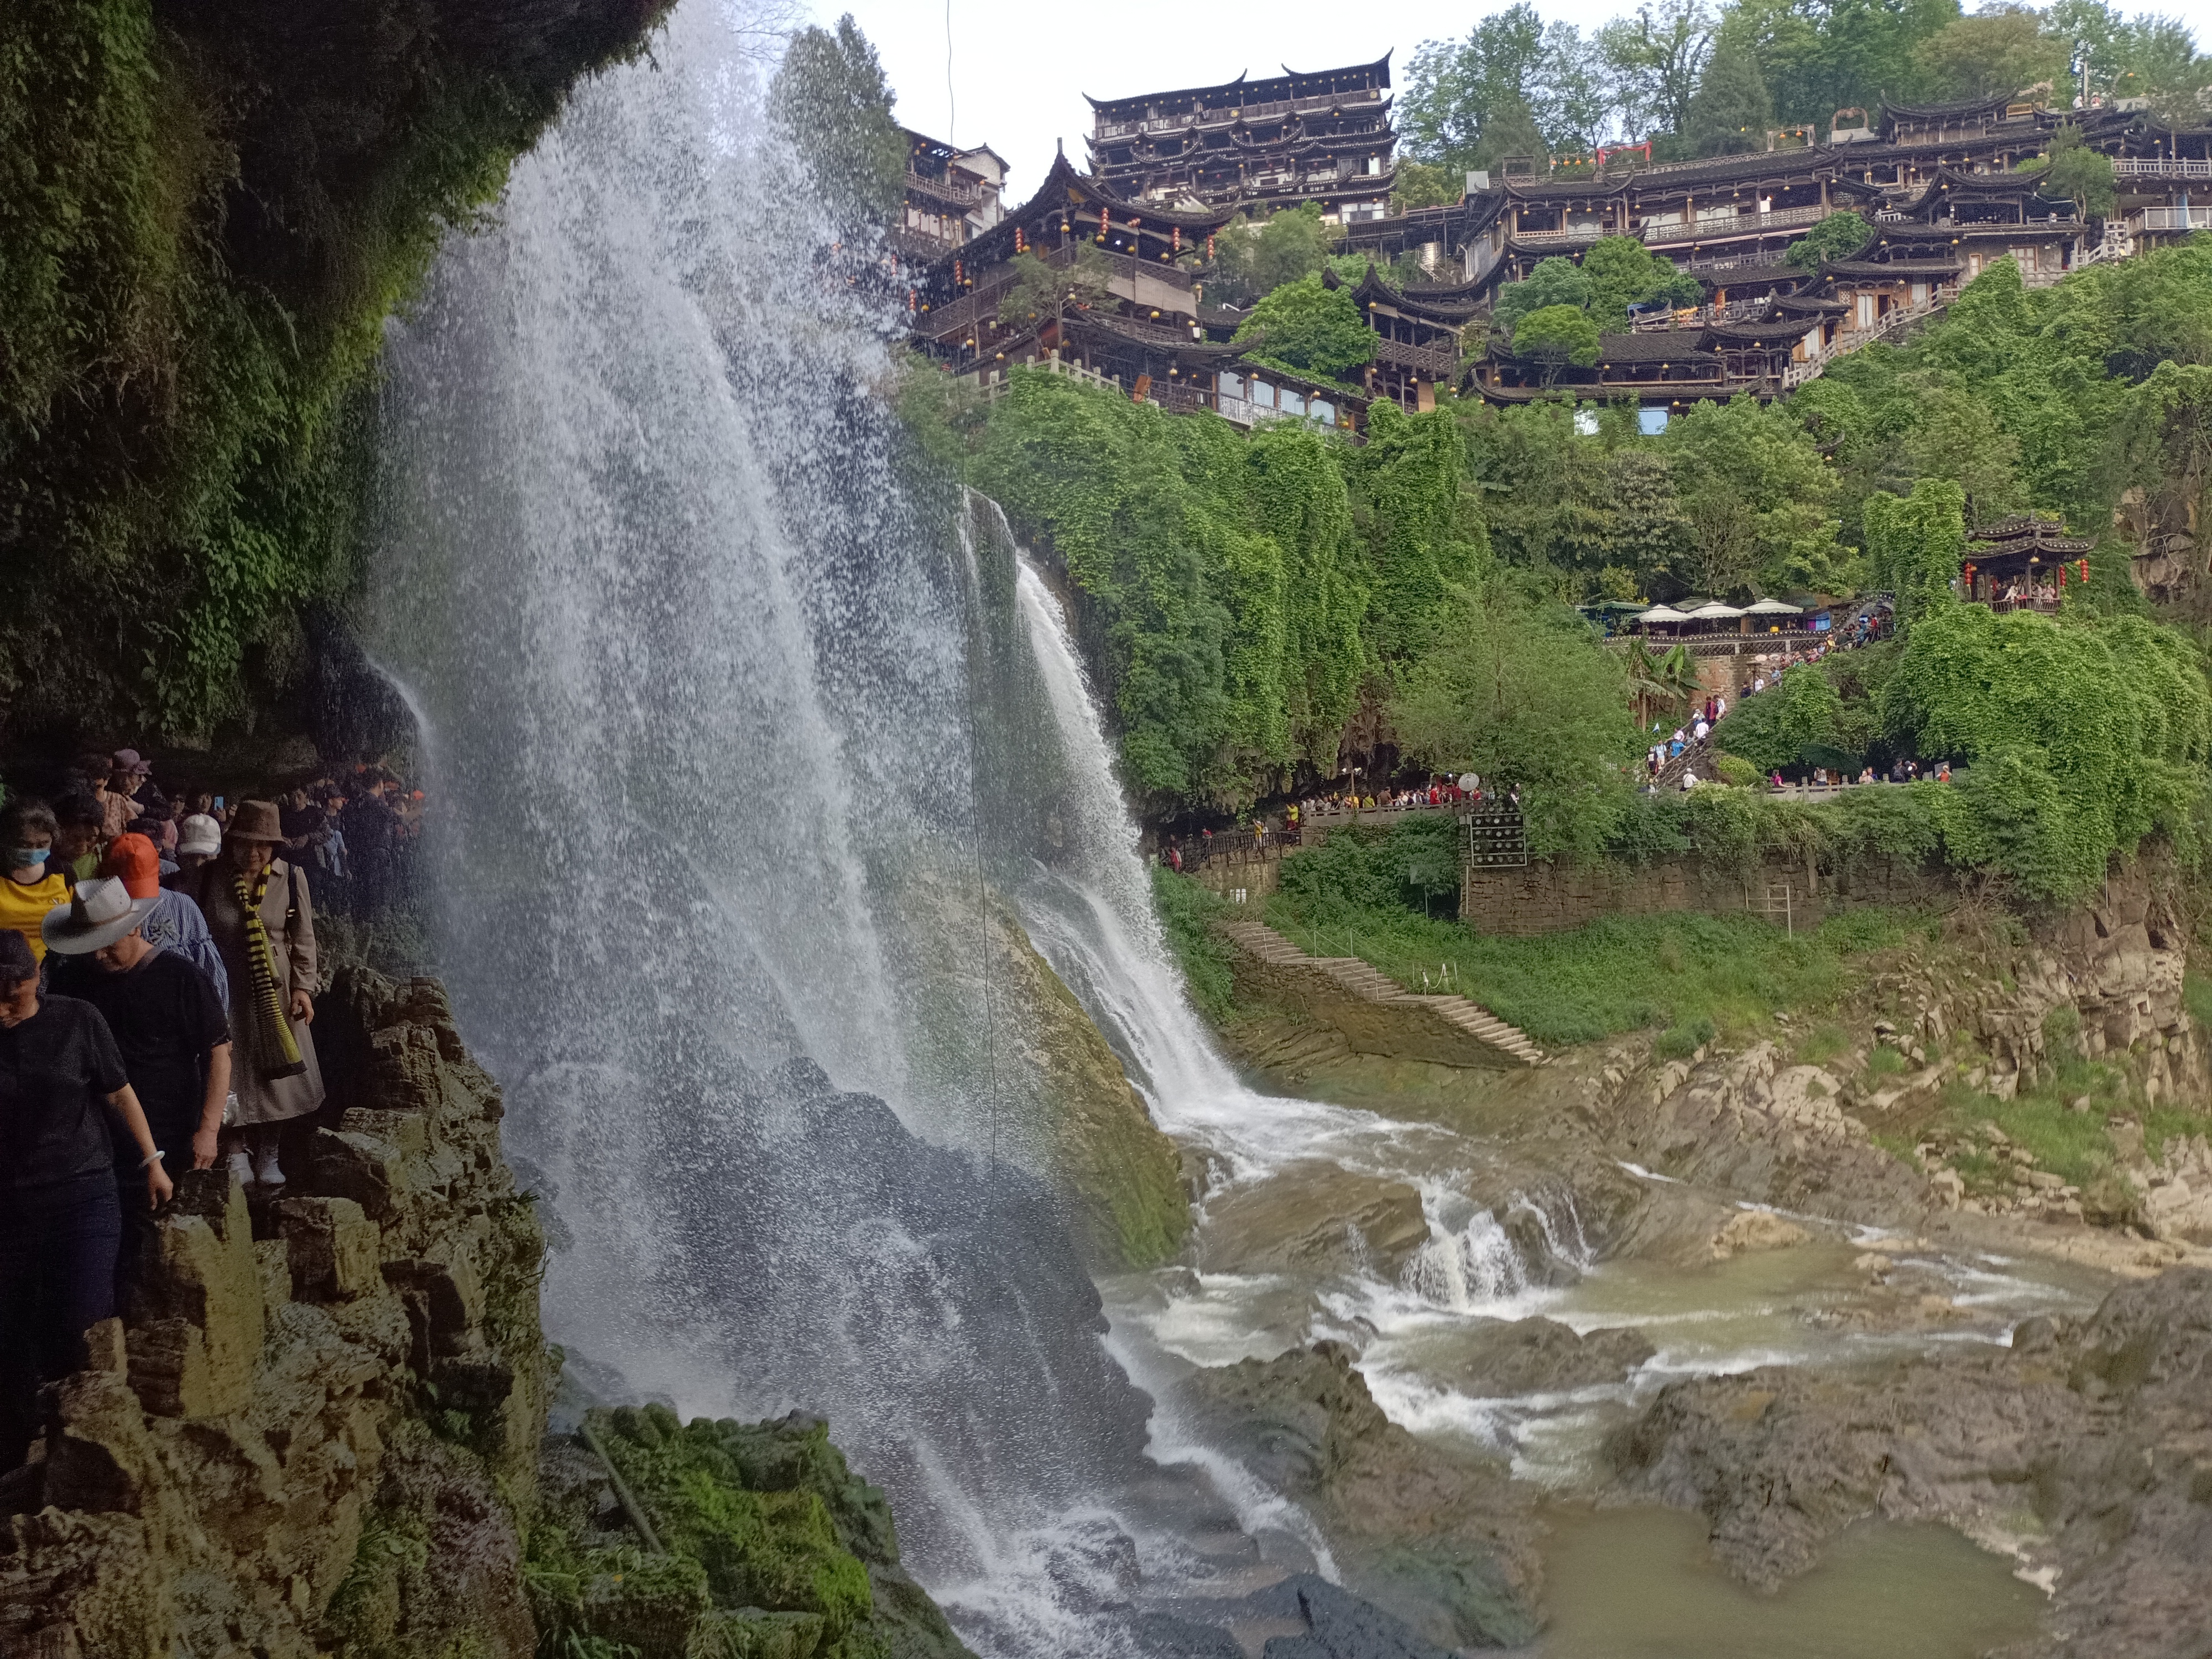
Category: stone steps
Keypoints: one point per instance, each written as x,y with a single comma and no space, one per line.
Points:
1363,980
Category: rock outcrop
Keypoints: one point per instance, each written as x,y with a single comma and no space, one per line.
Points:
318,1430
2085,1449
315,1424
1444,1541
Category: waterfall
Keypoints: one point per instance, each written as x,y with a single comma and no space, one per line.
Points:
731,728
693,668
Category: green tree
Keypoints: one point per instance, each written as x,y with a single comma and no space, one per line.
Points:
829,95
1758,496
1308,328
1470,103
1799,711
1521,693
1557,281
1657,58
1622,272
1424,533
1959,437
1255,260
1556,337
1820,56
1732,110
1839,236
1994,53
1044,293
1917,544
1418,185
2084,737
2073,172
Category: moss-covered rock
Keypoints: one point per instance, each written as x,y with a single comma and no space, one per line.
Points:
774,1547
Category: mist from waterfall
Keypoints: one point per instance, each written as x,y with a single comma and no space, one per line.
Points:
703,726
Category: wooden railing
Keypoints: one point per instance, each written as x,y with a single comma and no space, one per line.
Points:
2163,166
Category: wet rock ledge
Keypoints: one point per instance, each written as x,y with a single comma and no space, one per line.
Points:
320,1429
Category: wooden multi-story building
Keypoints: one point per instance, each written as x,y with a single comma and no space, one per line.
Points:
952,196
1936,176
1255,145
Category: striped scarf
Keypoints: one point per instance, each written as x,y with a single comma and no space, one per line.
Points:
278,1047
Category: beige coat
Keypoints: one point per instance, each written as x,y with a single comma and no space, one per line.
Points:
290,920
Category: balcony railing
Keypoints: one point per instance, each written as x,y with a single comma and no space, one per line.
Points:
2163,168
1740,224
2169,218
1422,359
943,188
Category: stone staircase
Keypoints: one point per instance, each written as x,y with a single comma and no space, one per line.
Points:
1448,1029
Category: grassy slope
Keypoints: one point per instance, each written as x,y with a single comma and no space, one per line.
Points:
1691,978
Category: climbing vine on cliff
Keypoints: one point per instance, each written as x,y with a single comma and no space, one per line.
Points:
206,213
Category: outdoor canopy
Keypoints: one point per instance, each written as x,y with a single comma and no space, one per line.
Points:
1662,613
1773,608
1715,612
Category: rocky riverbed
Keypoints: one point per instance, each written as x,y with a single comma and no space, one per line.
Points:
1739,1283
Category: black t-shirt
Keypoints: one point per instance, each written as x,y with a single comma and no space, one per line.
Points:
165,1016
57,1070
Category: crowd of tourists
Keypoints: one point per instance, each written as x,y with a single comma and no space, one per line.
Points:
158,972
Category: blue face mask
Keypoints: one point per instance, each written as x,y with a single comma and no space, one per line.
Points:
28,857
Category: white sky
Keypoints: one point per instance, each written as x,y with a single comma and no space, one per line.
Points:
1019,71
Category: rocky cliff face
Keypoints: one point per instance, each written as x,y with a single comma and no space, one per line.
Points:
318,1428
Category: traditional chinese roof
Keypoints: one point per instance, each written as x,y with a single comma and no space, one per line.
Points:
2023,534
1158,337
1811,304
1901,271
1779,330
1658,345
1948,112
1076,196
1291,83
1448,306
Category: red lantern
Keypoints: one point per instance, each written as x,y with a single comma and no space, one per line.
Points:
1019,245
1105,224
2082,565
1176,239
1209,245
956,273
911,297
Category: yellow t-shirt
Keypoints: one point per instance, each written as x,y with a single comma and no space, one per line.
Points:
24,908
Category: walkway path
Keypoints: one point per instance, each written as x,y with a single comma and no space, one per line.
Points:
1453,1017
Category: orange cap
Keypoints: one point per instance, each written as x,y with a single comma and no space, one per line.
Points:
132,858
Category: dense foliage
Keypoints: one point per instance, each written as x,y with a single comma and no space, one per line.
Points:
206,212
1224,587
1309,329
1699,80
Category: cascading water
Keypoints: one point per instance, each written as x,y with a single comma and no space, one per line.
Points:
733,731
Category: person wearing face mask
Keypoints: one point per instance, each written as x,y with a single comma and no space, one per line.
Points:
30,887
258,910
65,1102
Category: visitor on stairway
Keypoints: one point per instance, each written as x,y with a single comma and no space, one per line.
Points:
63,1093
257,909
31,886
199,838
78,820
175,922
167,1025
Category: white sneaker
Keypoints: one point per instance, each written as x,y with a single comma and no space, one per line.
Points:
269,1174
241,1168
